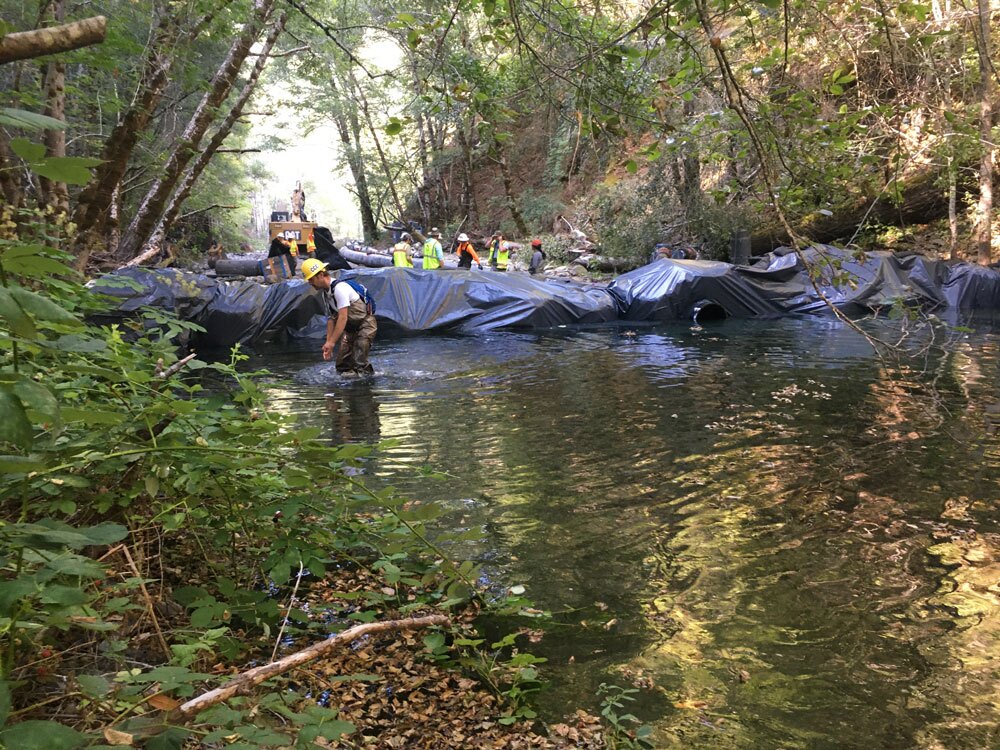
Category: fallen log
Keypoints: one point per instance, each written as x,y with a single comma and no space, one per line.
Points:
244,682
371,260
923,200
278,266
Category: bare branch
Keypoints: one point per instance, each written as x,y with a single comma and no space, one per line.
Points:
242,683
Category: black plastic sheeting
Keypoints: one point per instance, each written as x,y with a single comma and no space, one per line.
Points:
779,284
411,300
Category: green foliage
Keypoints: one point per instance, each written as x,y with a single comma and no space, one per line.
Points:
626,731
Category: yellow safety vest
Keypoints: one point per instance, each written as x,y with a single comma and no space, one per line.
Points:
431,249
503,256
311,244
293,246
399,255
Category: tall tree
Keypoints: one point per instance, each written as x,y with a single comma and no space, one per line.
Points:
987,95
150,210
194,170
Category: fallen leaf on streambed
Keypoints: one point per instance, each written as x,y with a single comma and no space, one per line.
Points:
114,737
692,704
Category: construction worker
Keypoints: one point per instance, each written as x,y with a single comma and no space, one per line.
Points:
537,257
351,318
281,247
499,252
402,253
466,253
311,244
433,253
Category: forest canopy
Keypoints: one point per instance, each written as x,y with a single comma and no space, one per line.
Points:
642,122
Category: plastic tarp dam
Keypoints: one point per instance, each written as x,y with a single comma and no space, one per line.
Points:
411,300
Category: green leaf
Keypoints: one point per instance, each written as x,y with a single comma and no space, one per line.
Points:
41,735
74,170
42,308
395,127
93,685
489,7
36,266
40,400
631,167
12,591
434,642
21,119
172,739
66,596
14,425
27,150
19,322
55,534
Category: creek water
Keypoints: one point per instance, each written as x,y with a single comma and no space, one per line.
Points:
781,539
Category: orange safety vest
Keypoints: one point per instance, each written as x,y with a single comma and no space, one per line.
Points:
311,244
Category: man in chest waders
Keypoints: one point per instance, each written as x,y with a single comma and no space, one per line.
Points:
351,322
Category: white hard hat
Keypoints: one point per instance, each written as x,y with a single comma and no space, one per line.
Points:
463,237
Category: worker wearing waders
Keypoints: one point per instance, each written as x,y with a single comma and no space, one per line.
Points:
499,252
402,253
466,253
351,318
433,253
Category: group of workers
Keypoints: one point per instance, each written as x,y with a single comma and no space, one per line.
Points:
351,324
498,252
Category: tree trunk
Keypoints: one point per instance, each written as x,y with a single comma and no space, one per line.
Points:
54,194
93,216
508,189
151,209
952,209
386,169
349,127
10,186
194,171
469,204
25,45
984,209
93,205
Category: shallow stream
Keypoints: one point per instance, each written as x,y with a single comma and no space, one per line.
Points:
782,540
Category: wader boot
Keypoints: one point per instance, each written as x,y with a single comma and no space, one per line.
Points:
357,339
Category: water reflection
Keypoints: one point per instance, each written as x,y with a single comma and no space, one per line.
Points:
783,539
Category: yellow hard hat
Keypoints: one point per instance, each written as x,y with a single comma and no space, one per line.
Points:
311,267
